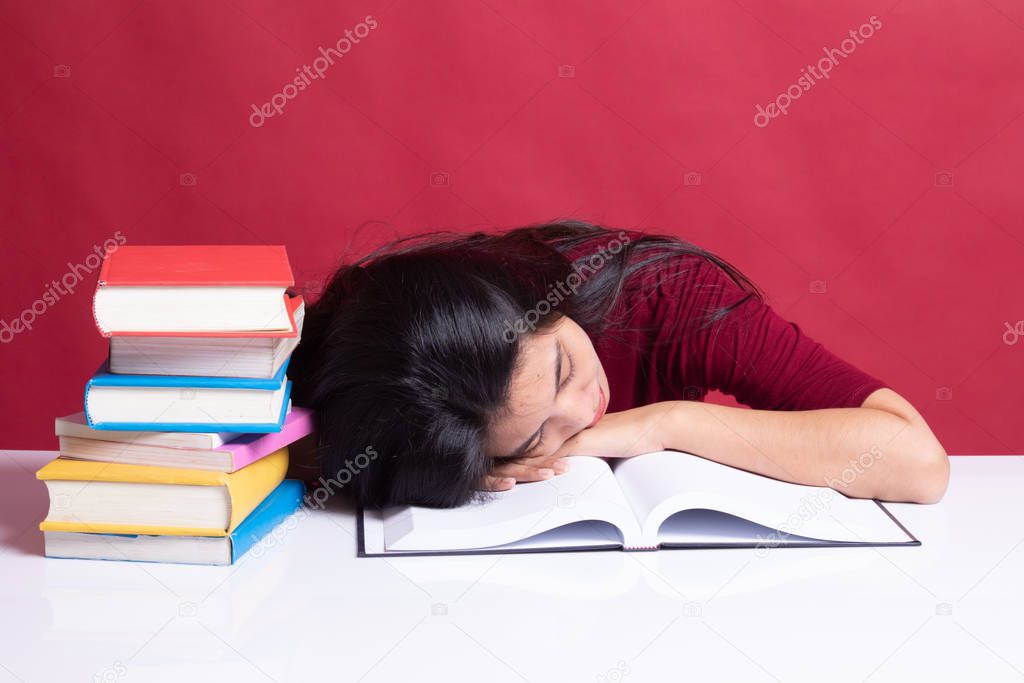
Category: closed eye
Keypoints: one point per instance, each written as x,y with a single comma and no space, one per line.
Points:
537,438
536,444
561,385
572,371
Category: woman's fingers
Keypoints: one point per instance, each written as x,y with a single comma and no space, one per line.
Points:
498,483
504,477
523,472
561,466
492,483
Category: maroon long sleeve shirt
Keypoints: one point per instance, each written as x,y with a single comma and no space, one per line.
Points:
656,350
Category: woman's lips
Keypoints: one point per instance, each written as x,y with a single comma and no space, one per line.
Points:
600,408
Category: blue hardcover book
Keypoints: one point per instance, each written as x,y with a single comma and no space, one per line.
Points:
177,403
275,508
212,550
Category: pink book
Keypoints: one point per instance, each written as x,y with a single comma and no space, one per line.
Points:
248,448
224,452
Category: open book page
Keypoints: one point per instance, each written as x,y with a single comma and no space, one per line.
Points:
659,485
702,527
587,492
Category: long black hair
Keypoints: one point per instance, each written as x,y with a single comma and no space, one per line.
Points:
408,353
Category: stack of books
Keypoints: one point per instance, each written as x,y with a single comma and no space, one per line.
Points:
181,451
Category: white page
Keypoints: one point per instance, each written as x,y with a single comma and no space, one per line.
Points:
166,404
661,484
585,534
190,308
700,526
587,492
75,425
589,534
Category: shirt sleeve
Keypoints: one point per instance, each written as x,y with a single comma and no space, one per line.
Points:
753,354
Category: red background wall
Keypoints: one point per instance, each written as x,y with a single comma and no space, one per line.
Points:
896,182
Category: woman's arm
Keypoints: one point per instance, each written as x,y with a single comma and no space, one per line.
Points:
813,418
883,449
816,418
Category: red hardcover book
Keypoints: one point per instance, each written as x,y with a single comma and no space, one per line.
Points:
209,265
185,289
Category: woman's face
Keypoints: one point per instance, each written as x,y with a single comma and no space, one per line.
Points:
558,390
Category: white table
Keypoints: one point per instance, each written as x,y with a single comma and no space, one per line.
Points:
307,607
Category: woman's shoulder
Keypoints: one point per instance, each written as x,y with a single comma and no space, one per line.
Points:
666,278
682,274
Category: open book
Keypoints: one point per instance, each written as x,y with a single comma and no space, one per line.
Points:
667,499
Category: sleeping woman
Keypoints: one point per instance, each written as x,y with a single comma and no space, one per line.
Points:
473,363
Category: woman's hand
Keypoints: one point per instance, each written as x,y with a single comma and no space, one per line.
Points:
616,435
505,476
620,435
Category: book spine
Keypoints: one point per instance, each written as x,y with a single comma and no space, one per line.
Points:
249,486
85,404
296,426
95,314
105,268
276,507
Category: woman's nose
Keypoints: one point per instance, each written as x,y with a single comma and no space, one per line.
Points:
586,403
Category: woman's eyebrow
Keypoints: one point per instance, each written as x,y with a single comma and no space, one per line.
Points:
525,445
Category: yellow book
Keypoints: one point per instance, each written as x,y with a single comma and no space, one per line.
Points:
100,497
